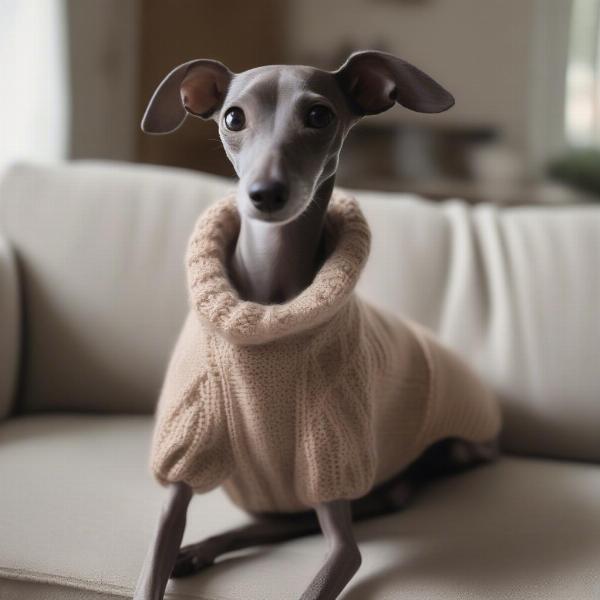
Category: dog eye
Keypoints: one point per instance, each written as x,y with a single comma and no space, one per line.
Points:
319,116
235,119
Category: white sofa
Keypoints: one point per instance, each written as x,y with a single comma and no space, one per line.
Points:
92,295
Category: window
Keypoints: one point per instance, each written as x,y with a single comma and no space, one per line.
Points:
34,98
582,108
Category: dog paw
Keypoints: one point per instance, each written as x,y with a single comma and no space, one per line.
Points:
464,453
401,494
192,559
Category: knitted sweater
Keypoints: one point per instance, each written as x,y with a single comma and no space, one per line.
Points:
317,399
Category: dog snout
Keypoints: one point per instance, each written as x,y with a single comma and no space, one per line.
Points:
268,195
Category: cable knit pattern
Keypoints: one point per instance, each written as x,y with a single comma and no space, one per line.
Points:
316,399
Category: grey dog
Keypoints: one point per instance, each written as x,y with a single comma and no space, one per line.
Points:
282,128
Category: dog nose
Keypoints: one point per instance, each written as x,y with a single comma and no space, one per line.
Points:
268,196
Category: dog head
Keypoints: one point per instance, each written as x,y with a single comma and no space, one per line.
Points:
283,126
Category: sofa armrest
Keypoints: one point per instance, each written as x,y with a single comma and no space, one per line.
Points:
10,325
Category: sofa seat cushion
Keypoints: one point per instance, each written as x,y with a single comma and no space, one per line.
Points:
78,509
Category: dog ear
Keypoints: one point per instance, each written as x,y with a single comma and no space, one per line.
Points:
375,81
197,87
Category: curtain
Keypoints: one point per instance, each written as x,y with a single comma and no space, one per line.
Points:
34,97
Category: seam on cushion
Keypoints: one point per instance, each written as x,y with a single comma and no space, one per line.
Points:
87,585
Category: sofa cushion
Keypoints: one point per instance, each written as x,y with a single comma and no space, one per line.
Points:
101,249
78,508
516,292
10,327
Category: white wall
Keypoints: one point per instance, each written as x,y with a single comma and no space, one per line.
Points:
479,49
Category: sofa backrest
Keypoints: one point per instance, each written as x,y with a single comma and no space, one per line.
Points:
10,324
101,249
514,290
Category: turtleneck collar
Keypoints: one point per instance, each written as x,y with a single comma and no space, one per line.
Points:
216,301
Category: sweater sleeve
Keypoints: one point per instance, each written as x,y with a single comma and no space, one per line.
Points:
191,440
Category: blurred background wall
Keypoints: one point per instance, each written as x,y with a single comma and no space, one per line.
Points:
523,72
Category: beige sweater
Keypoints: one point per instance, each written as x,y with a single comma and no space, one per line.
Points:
317,399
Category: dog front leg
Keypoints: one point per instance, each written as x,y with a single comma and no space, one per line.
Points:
161,556
343,559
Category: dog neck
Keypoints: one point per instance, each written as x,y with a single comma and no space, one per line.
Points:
273,263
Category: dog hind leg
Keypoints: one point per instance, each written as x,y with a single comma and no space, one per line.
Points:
446,457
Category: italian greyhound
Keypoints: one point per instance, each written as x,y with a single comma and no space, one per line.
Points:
282,128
